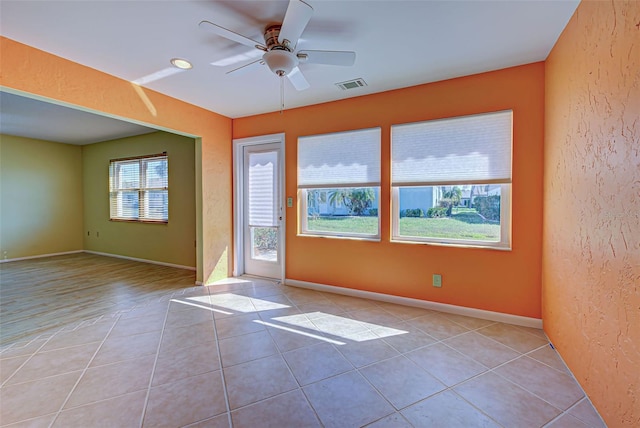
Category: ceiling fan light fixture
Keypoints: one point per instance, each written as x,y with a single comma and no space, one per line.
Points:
180,63
281,62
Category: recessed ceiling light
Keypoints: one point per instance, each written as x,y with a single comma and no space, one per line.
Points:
181,63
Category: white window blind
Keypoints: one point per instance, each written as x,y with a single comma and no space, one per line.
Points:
345,159
138,188
263,168
468,149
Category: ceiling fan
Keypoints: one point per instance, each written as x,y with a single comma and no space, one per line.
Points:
280,43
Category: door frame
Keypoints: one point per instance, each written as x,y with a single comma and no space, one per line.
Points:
239,145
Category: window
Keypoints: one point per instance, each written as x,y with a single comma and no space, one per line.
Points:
138,189
451,180
339,184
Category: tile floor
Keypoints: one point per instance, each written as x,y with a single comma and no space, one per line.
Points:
249,353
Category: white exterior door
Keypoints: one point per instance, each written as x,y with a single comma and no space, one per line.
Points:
261,211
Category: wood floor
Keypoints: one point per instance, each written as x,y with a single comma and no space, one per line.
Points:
41,295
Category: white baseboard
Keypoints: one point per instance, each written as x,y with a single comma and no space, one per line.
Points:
434,306
39,256
135,259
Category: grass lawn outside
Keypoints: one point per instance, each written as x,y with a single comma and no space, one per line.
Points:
465,224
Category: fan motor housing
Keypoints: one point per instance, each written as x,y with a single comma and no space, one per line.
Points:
271,35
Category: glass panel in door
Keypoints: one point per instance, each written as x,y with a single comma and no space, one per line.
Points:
263,210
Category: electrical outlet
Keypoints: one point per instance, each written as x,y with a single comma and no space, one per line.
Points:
437,280
289,202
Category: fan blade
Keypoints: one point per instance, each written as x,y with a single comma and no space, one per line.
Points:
244,67
295,21
345,58
298,80
228,34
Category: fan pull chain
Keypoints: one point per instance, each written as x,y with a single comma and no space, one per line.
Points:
281,94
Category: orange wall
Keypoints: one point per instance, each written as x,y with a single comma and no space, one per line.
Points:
30,70
502,281
591,251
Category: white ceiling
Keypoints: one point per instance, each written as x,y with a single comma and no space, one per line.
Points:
397,43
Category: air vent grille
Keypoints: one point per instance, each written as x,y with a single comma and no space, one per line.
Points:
352,84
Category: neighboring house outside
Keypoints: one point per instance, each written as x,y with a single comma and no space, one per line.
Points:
410,198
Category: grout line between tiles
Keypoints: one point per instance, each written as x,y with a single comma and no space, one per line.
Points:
66,400
153,369
224,381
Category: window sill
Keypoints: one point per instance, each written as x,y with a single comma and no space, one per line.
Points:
123,220
470,245
332,236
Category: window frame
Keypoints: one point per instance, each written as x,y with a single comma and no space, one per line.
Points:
506,185
142,189
302,190
505,224
304,218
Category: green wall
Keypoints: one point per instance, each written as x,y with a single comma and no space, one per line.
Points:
40,197
169,243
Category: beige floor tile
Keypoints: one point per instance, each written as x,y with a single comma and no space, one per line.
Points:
319,309
131,326
240,349
264,290
188,317
8,366
394,420
56,362
40,422
26,400
558,389
586,413
186,401
468,322
375,316
447,410
122,411
288,337
401,381
404,312
313,363
538,332
231,304
366,348
482,349
121,348
438,326
349,303
446,364
404,337
505,402
239,325
103,382
257,380
339,327
152,309
346,401
220,421
567,421
94,333
550,357
269,315
186,362
513,337
287,410
182,337
272,303
300,295
22,348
